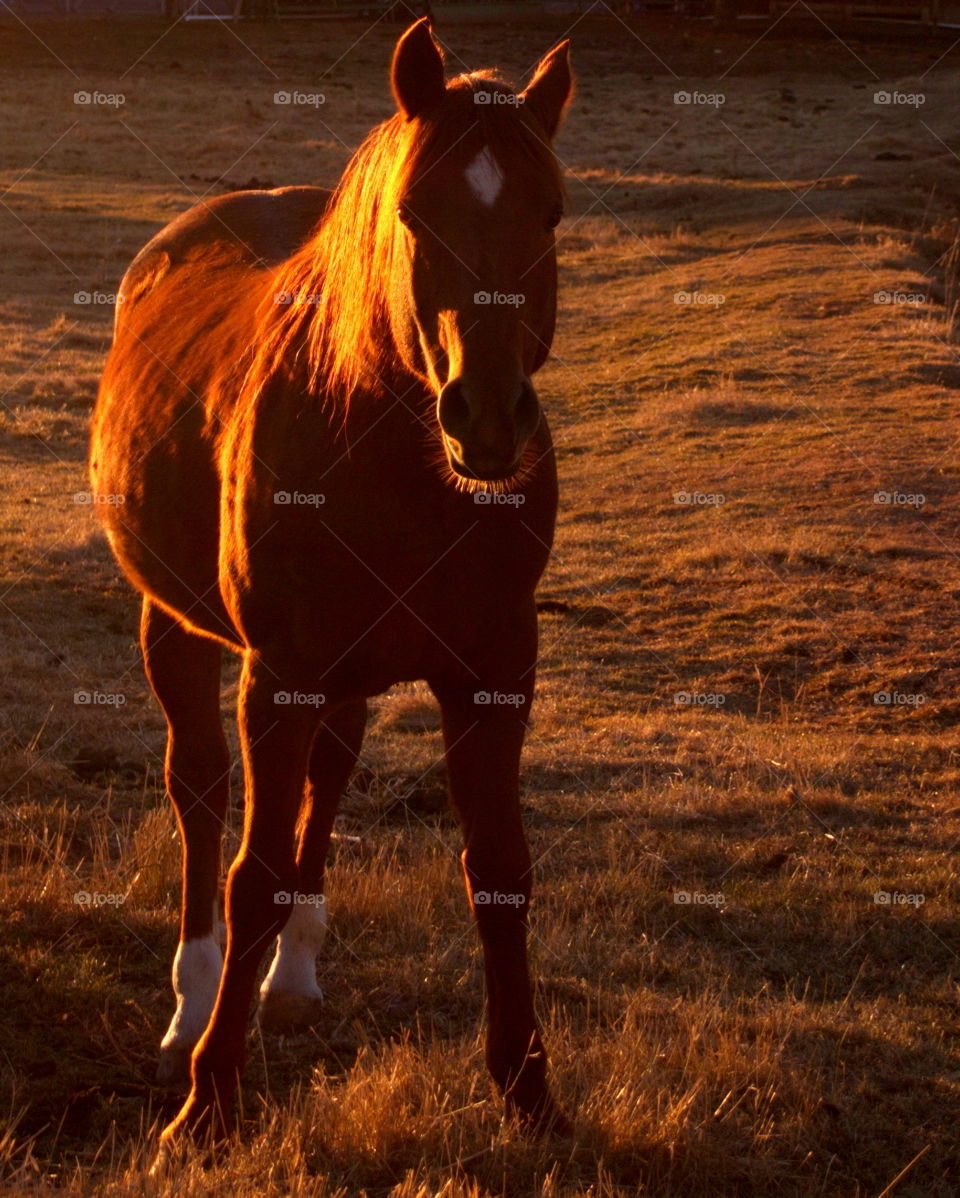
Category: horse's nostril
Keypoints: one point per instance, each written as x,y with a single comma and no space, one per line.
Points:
453,411
485,434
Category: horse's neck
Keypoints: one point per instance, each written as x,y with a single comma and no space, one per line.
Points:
393,395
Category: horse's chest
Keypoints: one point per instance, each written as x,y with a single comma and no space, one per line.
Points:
365,602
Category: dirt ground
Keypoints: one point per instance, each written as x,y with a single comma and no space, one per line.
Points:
749,675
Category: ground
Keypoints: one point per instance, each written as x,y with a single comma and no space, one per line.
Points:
741,779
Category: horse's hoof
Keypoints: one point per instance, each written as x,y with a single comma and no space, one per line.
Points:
555,1127
162,1163
202,1121
543,1121
173,1153
173,1068
280,1012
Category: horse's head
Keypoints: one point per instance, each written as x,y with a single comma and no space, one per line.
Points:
473,202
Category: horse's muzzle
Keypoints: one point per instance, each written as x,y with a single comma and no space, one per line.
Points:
484,437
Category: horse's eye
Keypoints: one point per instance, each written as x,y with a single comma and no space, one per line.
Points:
405,216
554,219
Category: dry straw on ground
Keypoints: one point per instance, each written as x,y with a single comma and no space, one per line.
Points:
782,1032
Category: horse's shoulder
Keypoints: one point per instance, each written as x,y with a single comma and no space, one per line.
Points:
255,229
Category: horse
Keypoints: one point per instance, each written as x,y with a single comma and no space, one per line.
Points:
319,412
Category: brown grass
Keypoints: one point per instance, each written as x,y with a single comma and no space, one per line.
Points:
788,1036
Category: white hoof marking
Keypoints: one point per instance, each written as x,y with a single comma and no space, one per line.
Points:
196,979
294,968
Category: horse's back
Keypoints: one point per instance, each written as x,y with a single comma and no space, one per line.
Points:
252,229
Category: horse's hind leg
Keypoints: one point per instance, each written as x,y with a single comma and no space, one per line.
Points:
275,741
184,672
289,996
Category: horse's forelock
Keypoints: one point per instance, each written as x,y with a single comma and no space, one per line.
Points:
466,121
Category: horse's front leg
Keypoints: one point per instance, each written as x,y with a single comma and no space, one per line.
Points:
275,740
483,743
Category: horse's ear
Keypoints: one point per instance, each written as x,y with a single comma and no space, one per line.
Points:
416,74
550,89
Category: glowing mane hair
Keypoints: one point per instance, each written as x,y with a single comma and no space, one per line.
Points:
327,317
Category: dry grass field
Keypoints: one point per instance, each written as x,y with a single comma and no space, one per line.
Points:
760,486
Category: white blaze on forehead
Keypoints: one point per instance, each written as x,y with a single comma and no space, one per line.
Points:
485,177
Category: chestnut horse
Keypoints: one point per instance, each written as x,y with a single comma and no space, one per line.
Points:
319,413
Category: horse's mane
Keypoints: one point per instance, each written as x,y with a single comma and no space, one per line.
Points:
326,314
